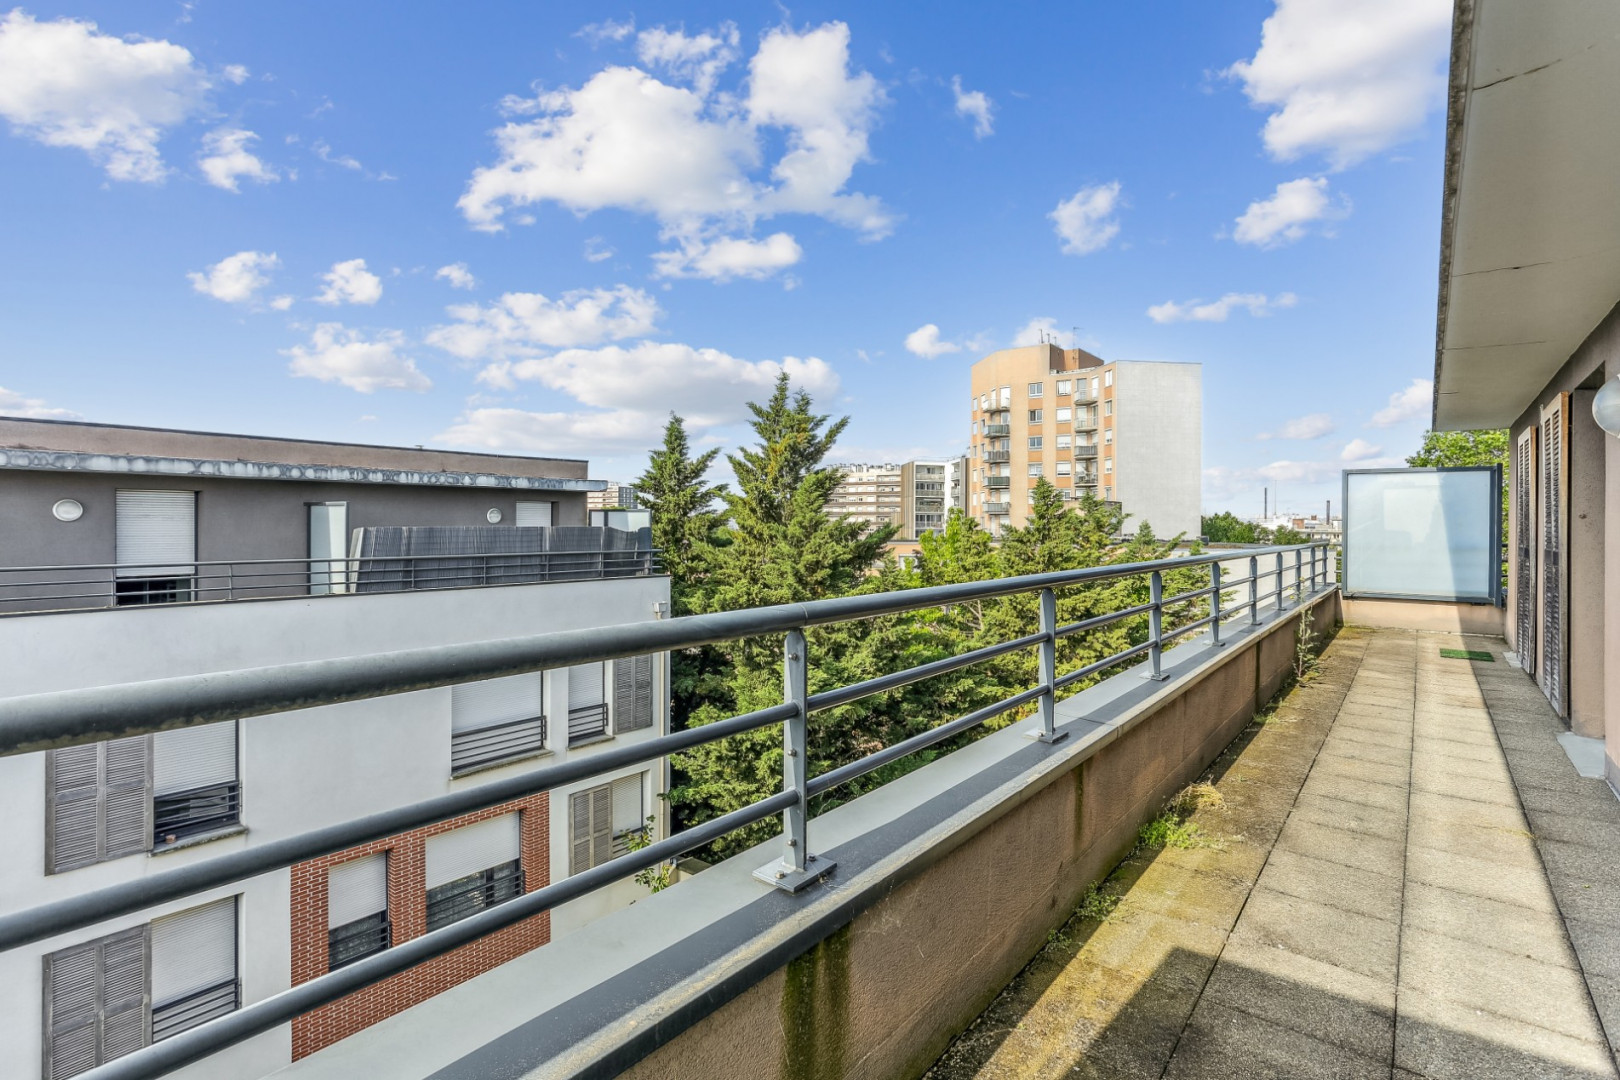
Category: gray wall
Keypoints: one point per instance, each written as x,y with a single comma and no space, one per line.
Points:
1158,445
236,519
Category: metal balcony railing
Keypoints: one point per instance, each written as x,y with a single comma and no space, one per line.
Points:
997,455
998,481
995,509
1087,451
79,717
993,430
106,585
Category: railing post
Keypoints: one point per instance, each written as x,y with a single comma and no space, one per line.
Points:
798,867
1215,604
1254,590
1048,670
1282,601
1299,581
1156,627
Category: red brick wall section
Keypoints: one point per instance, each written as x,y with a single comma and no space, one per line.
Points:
407,908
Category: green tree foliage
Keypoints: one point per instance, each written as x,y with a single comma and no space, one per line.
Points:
1453,448
1227,528
685,522
1287,535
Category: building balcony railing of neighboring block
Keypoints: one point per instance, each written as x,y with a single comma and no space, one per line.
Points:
615,554
997,429
998,481
994,456
1085,451
1283,577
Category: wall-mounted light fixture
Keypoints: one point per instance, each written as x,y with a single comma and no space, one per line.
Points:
68,510
1606,406
493,516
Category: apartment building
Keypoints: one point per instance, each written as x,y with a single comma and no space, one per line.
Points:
1125,431
613,496
99,815
913,496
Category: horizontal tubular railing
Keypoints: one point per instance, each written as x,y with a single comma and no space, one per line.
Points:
87,909
1106,662
73,717
1194,625
1102,620
1182,598
871,762
261,1016
831,699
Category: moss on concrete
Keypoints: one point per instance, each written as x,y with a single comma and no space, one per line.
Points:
815,1012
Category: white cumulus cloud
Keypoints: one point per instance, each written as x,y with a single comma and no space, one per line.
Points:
1085,221
925,342
974,105
1347,79
1043,328
349,282
1412,403
64,83
236,278
728,256
1288,213
606,30
341,355
225,159
1359,450
1256,304
1311,426
14,404
457,275
523,324
693,157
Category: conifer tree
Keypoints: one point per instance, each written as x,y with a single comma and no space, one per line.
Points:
685,523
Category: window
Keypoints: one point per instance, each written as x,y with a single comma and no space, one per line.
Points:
587,704
1063,387
984,401
1065,415
633,706
1063,441
156,543
1034,442
328,548
1035,468
1108,436
356,910
1036,389
95,1003
1094,386
1034,416
1006,396
602,819
473,868
1108,378
495,721
98,803
533,515
194,968
1108,465
195,790
1063,468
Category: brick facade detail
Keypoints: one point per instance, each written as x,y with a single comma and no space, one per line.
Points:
407,910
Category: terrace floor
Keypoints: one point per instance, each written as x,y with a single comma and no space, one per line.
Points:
1403,876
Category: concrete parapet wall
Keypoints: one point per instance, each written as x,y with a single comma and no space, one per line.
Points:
1435,615
883,992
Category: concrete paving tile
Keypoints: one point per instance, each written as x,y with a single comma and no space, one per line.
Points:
1581,864
1445,1041
1387,721
1437,746
1351,816
1431,805
1168,890
1361,770
1521,987
1387,857
1511,846
1362,891
1557,774
1305,995
1340,745
1492,769
1575,829
1382,796
1346,734
1445,782
1332,935
1567,799
1605,993
1598,945
1483,922
1140,943
1525,886
1222,1043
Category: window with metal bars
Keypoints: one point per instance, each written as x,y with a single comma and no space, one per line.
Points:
195,790
358,939
587,704
495,721
357,910
455,900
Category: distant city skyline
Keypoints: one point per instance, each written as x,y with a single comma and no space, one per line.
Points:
527,234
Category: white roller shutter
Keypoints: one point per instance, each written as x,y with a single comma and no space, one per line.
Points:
356,889
629,812
495,701
585,686
156,533
194,757
194,950
533,514
473,848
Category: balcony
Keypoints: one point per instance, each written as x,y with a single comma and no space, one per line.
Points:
1088,451
997,456
1086,420
998,481
994,430
997,509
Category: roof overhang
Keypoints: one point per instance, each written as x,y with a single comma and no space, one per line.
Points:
1530,231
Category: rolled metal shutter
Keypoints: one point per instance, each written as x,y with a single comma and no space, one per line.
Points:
495,701
195,757
193,951
1524,544
156,533
585,686
629,810
356,889
472,848
533,515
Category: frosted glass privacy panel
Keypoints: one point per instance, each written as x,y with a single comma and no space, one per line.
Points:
1427,534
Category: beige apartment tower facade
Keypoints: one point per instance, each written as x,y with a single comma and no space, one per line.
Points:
1127,432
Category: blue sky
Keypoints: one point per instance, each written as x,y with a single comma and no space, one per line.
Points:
538,228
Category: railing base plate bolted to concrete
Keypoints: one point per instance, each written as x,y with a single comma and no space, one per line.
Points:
784,877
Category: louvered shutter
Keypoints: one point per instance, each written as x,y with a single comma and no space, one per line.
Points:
127,799
633,693
629,813
95,1003
533,514
584,686
1554,499
356,889
472,848
75,825
186,759
590,825
193,951
1524,544
601,824
123,994
494,701
156,533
